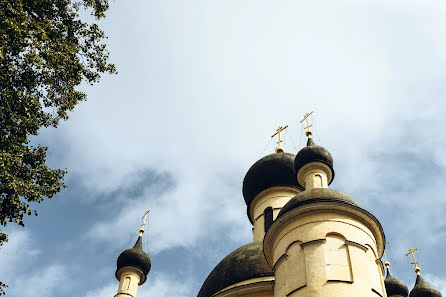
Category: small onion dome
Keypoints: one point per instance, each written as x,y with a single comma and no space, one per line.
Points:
313,153
395,287
317,195
135,257
272,170
423,289
245,263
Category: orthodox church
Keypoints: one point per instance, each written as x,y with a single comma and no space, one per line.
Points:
308,240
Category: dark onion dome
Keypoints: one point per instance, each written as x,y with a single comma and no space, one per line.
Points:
245,263
135,257
317,195
394,286
313,153
272,170
423,289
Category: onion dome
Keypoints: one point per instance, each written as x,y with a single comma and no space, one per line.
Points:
313,153
245,263
135,257
317,195
272,170
394,286
423,289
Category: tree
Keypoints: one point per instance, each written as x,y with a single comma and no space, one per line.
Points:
46,51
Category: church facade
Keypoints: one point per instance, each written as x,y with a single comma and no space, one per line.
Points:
308,240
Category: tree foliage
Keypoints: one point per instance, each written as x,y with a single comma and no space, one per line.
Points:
46,51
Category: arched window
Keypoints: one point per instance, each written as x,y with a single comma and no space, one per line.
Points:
268,214
337,259
126,283
317,181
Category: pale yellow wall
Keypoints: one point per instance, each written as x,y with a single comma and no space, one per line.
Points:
274,197
258,287
129,279
314,175
333,247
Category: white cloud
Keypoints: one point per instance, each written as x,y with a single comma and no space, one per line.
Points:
106,291
192,210
43,281
18,268
203,85
18,251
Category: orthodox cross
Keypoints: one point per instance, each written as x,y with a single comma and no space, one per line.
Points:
308,132
279,148
411,251
144,219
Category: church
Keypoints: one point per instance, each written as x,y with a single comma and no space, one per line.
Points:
308,240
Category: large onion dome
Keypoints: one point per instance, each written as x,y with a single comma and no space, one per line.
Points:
272,170
134,257
423,289
245,263
313,153
394,286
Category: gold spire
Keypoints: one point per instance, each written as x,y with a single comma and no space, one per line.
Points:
308,132
387,264
279,148
411,251
144,219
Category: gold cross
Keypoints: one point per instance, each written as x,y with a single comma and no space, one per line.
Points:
144,219
279,148
411,251
308,132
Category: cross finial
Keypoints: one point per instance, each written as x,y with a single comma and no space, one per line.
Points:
144,219
279,148
411,251
308,132
387,264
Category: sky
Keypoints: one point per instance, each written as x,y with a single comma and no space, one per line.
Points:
202,85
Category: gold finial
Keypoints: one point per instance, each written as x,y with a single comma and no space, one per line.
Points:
279,148
387,264
411,251
144,219
308,132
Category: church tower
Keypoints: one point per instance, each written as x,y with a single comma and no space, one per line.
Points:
133,266
322,242
308,240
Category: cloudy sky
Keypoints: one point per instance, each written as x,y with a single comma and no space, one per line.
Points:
201,87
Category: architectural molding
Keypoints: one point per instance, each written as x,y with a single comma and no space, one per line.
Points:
280,260
355,244
311,242
297,289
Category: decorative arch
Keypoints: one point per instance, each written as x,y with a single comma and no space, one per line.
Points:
336,234
317,180
374,270
337,259
295,267
292,244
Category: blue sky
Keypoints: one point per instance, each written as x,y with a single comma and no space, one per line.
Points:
201,87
